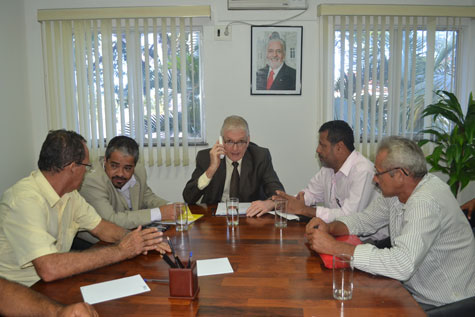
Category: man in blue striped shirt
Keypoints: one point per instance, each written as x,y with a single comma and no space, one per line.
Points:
432,246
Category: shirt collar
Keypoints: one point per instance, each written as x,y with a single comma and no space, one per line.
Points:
276,71
45,187
230,163
130,183
348,164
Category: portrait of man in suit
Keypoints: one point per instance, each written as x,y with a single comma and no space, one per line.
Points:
276,75
279,75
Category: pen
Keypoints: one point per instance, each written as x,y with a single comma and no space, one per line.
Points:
167,259
189,259
155,280
338,202
178,263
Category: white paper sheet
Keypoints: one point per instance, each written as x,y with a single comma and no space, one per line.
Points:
122,287
221,211
213,266
287,216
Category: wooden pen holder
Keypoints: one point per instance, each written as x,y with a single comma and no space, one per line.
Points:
184,282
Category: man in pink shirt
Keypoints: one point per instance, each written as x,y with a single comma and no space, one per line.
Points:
344,184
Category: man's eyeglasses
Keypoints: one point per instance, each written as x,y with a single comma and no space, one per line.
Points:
377,174
88,166
240,143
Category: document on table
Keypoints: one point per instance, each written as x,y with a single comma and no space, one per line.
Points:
122,287
191,218
286,216
213,266
221,210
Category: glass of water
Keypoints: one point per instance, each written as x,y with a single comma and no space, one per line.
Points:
232,211
342,276
280,215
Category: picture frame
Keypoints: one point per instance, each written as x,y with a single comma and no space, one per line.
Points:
268,55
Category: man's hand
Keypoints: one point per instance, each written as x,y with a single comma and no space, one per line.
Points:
321,241
77,310
296,205
470,206
141,241
168,212
259,207
316,222
214,160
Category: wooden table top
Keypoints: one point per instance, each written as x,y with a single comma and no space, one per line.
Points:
275,274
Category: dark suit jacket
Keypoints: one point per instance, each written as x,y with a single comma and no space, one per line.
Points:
285,79
258,180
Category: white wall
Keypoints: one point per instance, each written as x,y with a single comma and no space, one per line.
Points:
15,112
287,125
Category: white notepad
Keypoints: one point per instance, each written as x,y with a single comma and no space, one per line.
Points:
213,266
122,287
286,216
221,210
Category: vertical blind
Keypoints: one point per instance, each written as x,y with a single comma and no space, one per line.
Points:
383,69
126,71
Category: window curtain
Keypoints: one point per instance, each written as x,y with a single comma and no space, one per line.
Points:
383,66
92,88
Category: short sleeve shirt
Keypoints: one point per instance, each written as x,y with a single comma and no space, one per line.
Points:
35,221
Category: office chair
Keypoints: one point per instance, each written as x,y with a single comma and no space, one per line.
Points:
465,307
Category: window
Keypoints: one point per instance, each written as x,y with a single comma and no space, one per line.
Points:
383,71
128,75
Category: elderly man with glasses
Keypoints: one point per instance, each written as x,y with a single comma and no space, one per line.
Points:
236,168
41,214
432,250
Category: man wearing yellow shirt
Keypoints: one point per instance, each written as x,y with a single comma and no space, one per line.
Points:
41,214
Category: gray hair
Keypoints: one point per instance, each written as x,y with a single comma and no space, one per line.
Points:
275,37
123,144
403,153
235,122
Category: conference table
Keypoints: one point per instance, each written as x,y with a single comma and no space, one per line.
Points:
275,274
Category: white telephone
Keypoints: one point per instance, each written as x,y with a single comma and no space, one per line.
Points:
221,156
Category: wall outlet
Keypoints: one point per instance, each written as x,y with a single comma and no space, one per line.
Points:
221,33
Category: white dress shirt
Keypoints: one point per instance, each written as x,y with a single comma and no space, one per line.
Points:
155,213
433,247
347,191
204,180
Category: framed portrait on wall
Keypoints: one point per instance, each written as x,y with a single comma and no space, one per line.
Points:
276,60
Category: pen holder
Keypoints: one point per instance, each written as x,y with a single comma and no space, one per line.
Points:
184,282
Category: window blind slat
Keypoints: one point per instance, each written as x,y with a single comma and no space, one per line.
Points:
366,86
166,94
359,32
374,84
148,102
183,91
174,43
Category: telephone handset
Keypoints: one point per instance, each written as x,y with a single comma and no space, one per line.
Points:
221,156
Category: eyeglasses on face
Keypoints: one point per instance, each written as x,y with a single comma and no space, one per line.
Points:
239,143
88,166
377,174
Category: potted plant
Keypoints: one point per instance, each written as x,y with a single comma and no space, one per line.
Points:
454,151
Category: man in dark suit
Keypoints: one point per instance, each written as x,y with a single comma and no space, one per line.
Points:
276,75
213,180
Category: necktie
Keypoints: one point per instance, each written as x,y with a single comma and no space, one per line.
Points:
270,79
234,185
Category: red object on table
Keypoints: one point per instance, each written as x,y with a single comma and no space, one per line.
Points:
328,258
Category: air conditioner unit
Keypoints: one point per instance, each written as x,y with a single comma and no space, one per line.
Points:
267,4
